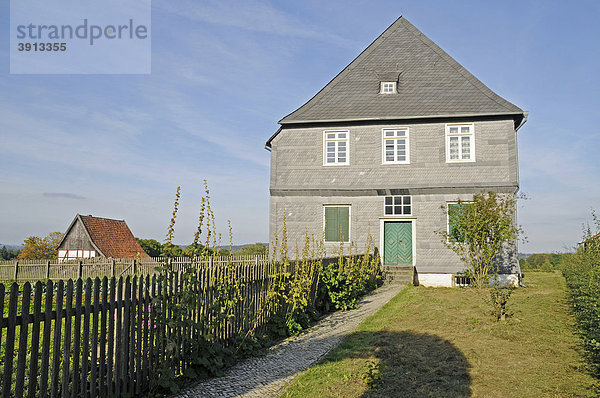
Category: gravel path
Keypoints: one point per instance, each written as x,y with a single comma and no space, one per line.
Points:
267,376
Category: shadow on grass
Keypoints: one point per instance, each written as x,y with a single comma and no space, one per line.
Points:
414,364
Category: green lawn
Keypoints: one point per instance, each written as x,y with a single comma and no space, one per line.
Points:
443,342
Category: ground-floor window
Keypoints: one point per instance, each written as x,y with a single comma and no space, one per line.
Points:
337,223
398,205
455,211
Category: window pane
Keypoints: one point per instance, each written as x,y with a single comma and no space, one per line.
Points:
465,129
389,133
341,160
388,210
453,130
406,209
389,158
406,200
388,200
401,133
341,135
342,144
397,200
397,209
331,135
330,144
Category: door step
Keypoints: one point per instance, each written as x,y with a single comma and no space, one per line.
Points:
397,274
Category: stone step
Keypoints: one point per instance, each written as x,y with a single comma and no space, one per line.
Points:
394,274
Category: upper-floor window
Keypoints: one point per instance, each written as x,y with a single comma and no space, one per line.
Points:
395,146
460,143
388,88
335,148
398,205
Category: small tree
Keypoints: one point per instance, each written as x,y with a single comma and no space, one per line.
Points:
36,248
478,230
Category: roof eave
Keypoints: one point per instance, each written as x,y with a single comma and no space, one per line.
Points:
438,116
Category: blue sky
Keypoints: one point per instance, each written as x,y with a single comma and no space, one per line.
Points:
223,74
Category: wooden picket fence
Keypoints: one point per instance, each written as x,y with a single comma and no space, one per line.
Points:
35,270
104,337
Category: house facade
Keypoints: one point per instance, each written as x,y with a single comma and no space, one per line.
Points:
89,237
386,147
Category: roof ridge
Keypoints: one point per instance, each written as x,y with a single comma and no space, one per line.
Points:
488,92
101,218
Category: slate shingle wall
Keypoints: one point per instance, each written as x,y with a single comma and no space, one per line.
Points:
297,159
301,185
305,214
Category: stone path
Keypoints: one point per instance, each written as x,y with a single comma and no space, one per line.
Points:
267,376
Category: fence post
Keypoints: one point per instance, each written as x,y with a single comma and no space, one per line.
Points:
48,269
256,261
16,270
133,267
80,269
112,268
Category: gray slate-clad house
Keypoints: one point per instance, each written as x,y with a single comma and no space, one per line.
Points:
386,147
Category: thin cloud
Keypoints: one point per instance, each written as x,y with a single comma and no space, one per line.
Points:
252,16
64,195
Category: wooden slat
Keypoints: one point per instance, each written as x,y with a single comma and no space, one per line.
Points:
66,374
95,331
139,341
35,338
10,340
77,338
46,343
102,331
20,381
130,370
85,349
125,336
118,336
55,387
2,288
111,339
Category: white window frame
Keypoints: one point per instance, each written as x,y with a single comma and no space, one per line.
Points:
470,134
407,144
349,223
393,199
336,140
384,85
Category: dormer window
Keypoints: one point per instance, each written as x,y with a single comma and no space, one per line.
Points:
388,87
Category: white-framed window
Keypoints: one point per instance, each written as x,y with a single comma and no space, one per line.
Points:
460,143
395,145
388,88
398,205
336,223
335,148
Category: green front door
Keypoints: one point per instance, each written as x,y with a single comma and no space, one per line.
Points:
398,243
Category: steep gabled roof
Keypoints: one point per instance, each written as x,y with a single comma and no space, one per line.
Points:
112,238
430,83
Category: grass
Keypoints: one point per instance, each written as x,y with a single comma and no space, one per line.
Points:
444,342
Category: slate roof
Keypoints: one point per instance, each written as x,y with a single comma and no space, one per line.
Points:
430,83
112,238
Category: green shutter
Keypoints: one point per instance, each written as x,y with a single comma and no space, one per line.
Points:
337,220
454,212
344,223
331,224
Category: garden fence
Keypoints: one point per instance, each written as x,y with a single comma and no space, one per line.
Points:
104,337
35,270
